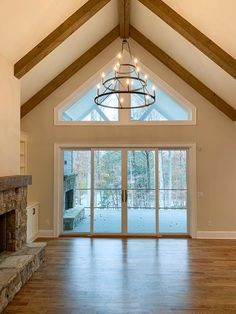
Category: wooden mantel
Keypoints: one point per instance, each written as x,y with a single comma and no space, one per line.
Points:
11,182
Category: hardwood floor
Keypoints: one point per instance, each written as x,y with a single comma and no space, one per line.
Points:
103,276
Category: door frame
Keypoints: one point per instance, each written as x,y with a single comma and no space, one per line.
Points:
58,183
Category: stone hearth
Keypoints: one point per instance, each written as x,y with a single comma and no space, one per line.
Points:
19,260
16,268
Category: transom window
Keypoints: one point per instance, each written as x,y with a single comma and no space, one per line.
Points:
169,108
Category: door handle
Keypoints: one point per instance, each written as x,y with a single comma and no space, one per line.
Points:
122,196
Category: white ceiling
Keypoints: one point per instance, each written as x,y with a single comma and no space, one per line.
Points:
183,52
73,47
24,23
214,18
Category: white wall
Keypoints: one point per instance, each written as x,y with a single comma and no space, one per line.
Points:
215,135
9,120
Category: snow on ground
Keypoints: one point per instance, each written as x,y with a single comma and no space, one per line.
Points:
139,221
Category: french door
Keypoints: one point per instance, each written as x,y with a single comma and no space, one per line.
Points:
107,191
125,191
141,191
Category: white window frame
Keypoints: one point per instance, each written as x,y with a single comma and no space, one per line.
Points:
124,119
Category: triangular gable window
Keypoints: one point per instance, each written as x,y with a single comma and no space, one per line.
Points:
169,108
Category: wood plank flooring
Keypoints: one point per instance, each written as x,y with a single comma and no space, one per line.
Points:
114,276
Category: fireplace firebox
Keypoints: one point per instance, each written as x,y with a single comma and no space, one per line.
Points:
69,199
3,232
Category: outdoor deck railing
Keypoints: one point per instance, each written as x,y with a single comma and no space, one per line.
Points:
137,198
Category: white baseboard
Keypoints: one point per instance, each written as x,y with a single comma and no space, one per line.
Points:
45,234
200,234
216,234
31,239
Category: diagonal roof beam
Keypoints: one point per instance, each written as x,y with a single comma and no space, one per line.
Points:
183,73
193,35
69,71
54,39
124,12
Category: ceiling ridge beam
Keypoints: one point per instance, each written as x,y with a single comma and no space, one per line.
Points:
193,35
55,38
124,13
69,71
185,75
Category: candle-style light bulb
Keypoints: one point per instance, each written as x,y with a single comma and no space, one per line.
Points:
138,70
118,64
119,56
145,76
127,82
103,75
115,68
135,60
154,90
122,100
98,86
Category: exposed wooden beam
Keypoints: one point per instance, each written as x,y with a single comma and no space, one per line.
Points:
183,73
60,34
124,11
193,35
69,72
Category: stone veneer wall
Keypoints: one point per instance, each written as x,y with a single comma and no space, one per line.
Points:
13,202
70,184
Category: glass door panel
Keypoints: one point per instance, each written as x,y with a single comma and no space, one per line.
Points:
107,191
141,191
77,190
172,176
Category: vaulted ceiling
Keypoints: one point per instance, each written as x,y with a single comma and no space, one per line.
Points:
208,68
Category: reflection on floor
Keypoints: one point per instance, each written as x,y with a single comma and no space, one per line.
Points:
139,221
134,276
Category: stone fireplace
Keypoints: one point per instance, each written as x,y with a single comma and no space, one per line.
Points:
69,191
18,259
13,217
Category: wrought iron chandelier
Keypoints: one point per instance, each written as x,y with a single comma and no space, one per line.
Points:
126,80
